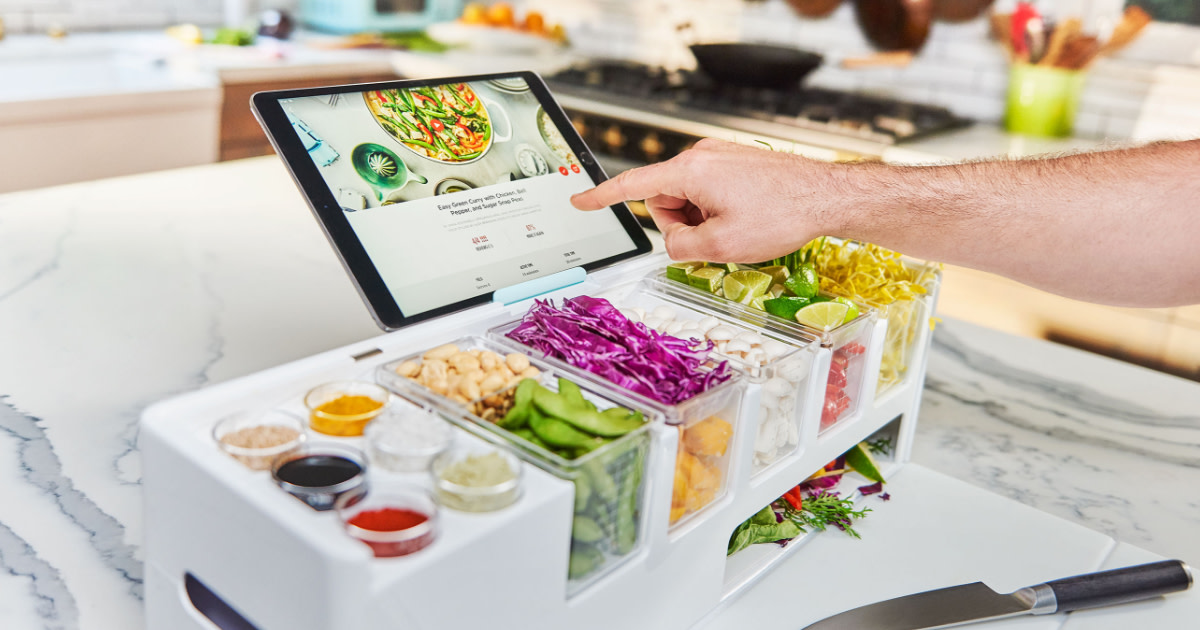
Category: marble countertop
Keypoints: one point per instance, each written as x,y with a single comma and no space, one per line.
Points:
121,292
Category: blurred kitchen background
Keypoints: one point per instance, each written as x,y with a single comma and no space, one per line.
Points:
98,88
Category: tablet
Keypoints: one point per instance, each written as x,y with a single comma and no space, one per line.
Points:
437,193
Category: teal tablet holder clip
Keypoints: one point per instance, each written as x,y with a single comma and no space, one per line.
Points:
539,286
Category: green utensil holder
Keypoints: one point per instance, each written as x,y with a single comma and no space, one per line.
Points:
1042,101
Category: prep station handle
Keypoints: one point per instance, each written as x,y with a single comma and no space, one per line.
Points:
1121,585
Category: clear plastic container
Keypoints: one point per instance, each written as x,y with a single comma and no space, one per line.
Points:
781,365
326,416
443,383
609,481
848,373
906,318
405,438
477,497
719,406
392,522
255,438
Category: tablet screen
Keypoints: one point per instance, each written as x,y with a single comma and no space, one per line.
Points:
454,190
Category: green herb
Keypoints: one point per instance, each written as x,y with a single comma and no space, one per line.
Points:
763,527
882,446
823,509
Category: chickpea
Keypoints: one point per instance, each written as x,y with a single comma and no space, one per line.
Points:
530,372
434,370
408,369
492,383
517,362
464,363
441,352
489,361
440,386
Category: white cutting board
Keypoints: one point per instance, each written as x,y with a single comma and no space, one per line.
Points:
938,531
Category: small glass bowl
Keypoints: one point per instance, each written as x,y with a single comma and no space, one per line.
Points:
320,474
475,498
343,425
389,543
393,443
258,457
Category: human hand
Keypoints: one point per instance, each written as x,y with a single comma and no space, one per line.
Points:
725,202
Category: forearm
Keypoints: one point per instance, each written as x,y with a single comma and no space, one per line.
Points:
1119,227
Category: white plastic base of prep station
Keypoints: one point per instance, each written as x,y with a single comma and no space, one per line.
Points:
283,566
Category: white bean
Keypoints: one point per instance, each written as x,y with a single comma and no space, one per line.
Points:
674,328
631,314
749,338
664,312
737,347
721,333
640,312
653,322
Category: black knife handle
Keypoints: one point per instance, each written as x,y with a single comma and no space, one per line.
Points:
1121,585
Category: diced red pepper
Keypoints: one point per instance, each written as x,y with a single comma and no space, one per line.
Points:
419,98
794,498
437,125
837,378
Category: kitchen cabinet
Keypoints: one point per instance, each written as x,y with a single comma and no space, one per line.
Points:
241,135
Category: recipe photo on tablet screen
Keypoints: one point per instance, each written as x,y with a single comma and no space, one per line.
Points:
454,190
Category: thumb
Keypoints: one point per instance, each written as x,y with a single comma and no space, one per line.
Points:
693,242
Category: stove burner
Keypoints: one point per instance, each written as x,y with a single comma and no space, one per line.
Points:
844,113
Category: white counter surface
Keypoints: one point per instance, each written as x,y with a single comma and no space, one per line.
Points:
117,293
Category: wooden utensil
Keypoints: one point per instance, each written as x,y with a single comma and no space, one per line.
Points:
1078,52
814,8
959,10
1132,22
895,24
1065,31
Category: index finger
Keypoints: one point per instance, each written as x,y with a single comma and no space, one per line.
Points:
638,183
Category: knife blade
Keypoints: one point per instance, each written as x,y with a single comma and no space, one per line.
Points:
968,603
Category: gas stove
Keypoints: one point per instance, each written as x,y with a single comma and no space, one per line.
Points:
645,114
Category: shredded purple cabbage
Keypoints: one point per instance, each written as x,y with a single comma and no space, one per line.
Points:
874,488
590,333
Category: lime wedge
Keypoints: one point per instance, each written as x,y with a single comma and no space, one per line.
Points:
678,271
731,267
706,278
743,286
852,309
804,282
822,315
779,274
776,290
734,290
760,302
785,307
860,461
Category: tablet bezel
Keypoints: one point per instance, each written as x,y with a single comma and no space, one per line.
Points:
332,219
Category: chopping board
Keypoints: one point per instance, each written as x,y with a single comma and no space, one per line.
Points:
938,531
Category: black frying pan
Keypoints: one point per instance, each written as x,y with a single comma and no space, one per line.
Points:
755,65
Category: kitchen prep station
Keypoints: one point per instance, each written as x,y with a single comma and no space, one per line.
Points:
562,490
598,434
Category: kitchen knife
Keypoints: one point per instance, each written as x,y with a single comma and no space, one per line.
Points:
969,603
